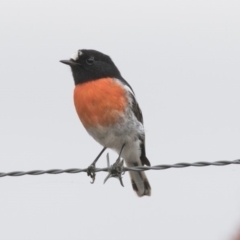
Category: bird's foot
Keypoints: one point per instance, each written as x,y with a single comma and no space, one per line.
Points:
116,170
91,172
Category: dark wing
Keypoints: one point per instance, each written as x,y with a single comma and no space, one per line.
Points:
138,113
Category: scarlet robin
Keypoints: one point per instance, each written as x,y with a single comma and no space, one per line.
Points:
108,109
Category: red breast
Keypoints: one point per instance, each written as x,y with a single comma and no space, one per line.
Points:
100,102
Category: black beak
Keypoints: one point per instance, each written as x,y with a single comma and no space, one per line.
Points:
70,62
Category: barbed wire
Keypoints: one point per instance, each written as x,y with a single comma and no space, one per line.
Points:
122,170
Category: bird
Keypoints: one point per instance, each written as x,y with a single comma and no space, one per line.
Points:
107,107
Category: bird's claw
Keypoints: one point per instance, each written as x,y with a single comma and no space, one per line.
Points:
91,172
116,170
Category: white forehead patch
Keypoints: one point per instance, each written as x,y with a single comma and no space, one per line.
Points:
74,56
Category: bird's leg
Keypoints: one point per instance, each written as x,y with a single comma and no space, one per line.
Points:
91,168
119,156
116,170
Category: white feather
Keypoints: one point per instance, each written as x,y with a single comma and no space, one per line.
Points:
128,89
75,56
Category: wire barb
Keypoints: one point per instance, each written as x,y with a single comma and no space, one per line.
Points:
116,170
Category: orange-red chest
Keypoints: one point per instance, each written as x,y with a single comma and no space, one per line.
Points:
100,102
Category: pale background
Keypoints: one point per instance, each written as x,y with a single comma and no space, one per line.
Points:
182,60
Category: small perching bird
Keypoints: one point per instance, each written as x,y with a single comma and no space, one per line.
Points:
107,108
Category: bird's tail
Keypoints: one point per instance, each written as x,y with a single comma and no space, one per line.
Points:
139,181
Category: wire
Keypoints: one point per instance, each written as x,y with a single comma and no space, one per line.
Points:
124,169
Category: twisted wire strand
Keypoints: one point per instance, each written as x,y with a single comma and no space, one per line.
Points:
125,169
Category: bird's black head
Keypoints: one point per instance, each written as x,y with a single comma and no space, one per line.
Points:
90,65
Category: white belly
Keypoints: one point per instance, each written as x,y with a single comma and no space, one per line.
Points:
127,131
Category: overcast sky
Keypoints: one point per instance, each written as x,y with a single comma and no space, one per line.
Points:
182,60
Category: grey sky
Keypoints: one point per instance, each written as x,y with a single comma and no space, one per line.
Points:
182,60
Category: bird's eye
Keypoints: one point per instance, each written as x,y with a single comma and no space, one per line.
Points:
90,60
